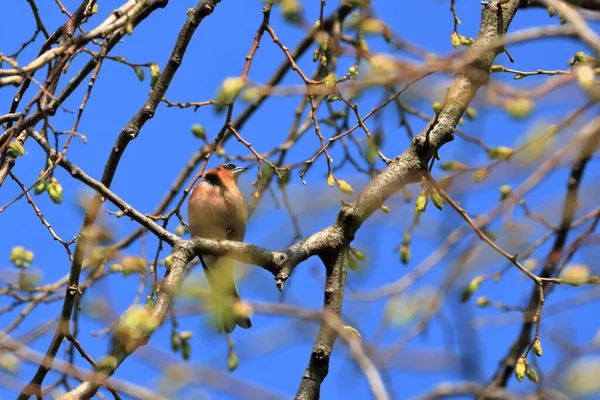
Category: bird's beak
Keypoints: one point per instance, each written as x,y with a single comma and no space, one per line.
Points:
238,171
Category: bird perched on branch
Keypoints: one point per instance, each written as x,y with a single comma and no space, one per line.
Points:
217,210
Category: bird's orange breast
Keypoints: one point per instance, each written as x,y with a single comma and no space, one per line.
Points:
217,212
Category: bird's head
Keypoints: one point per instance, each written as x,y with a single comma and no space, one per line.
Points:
224,173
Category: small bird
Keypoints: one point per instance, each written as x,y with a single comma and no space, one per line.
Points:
217,210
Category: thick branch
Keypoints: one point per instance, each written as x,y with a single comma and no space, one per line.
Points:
409,166
587,4
406,168
331,243
318,366
120,350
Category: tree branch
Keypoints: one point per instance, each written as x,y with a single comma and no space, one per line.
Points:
318,366
130,131
523,340
331,243
117,20
406,168
593,5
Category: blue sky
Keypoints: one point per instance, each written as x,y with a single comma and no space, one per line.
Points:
163,147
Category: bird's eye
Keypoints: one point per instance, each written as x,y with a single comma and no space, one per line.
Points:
229,166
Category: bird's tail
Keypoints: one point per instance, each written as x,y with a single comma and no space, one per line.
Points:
239,314
228,311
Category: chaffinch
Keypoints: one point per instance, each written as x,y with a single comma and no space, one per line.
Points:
217,210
